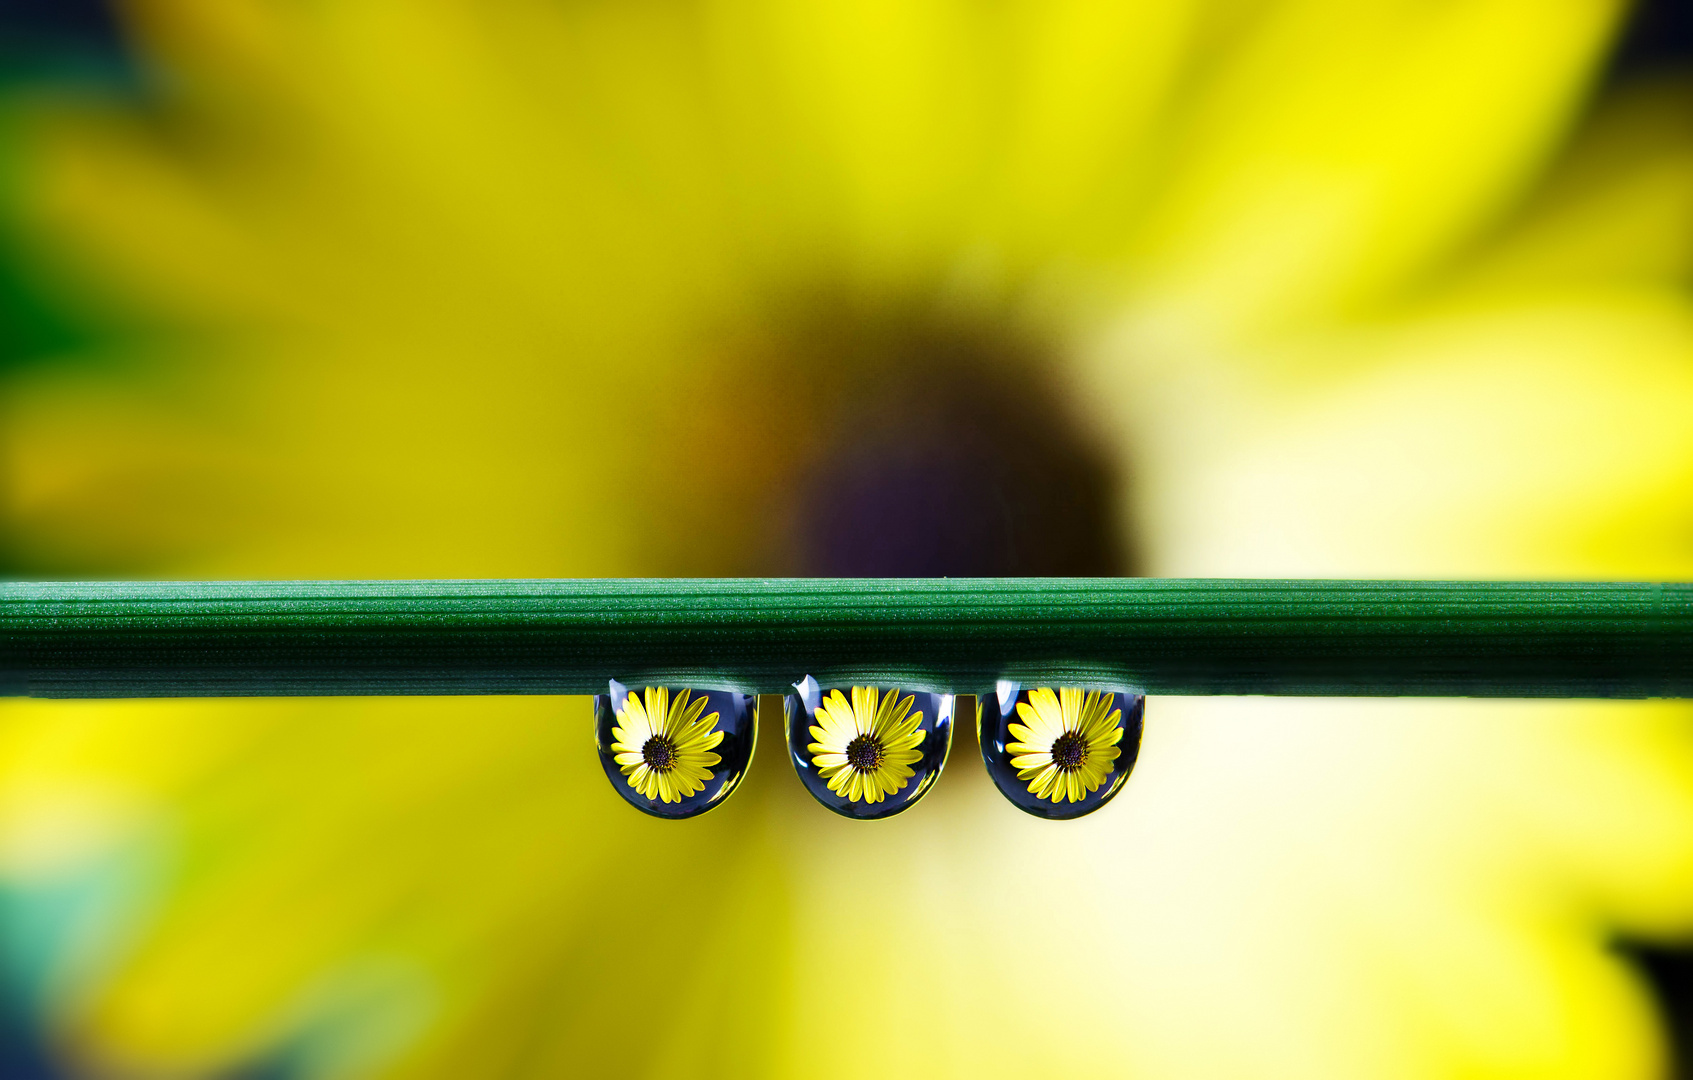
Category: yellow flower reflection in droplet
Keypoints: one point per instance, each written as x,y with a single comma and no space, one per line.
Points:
1067,743
665,749
866,749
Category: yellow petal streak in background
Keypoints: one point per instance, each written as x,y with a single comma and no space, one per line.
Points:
454,289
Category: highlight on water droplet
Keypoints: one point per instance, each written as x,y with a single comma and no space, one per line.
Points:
1059,752
867,751
673,751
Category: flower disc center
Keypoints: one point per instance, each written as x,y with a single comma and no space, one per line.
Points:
659,753
1069,750
865,753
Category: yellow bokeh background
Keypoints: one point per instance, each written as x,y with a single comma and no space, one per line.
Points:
577,287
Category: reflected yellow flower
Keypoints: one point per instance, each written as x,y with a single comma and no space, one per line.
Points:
1067,743
664,747
865,749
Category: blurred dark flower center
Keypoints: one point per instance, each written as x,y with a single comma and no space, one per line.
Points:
952,449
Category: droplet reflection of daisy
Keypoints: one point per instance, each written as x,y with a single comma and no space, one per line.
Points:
866,749
1067,743
663,748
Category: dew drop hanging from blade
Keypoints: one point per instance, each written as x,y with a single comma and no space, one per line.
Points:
867,752
1059,752
671,751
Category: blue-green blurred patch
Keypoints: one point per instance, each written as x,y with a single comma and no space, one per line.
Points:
61,40
60,931
52,930
48,46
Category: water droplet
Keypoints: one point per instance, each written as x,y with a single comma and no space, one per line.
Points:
672,751
1059,752
867,751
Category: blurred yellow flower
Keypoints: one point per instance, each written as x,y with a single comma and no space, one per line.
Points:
1067,743
664,747
1346,287
865,749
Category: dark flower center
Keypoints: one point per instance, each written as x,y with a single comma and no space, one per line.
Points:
865,753
659,753
1069,750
